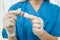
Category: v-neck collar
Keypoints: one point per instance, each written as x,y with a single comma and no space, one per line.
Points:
34,9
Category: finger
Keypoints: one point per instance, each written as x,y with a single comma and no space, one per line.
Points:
39,20
13,12
29,16
11,27
36,21
11,16
36,26
11,20
36,31
8,24
32,17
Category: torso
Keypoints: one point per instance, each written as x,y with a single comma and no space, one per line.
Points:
45,12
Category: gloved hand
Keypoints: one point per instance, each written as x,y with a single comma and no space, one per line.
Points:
37,24
9,22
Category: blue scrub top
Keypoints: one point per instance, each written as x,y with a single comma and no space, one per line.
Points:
50,13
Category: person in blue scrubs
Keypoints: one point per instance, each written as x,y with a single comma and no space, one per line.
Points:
50,14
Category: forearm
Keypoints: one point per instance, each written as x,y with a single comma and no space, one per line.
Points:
46,36
12,38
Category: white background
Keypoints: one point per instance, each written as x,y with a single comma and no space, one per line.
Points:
4,6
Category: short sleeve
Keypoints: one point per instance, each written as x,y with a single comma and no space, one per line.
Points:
16,6
56,29
13,7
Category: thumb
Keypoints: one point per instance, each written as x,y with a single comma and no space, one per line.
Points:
16,12
29,16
